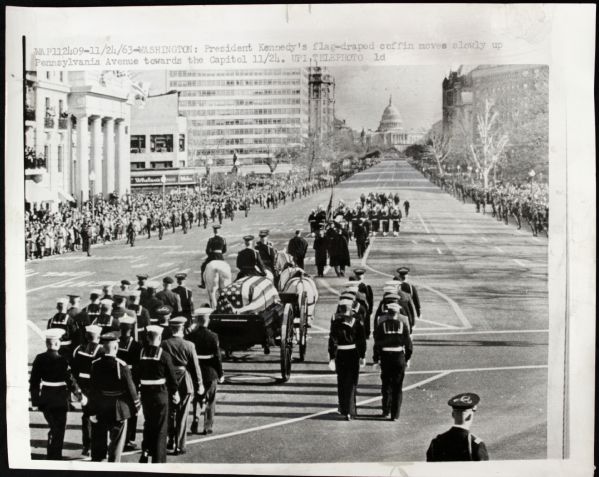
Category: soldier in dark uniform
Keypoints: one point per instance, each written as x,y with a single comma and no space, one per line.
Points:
131,233
297,248
395,220
312,222
215,249
160,228
406,207
164,313
105,320
129,349
142,315
402,276
458,443
339,252
361,236
169,297
184,222
393,348
209,358
392,294
92,311
119,306
50,386
189,382
106,292
71,337
320,247
347,348
143,289
153,303
156,376
248,261
81,365
86,238
185,297
112,401
267,252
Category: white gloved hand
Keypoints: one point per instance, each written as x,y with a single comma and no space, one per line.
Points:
332,365
362,362
221,379
93,419
176,399
407,365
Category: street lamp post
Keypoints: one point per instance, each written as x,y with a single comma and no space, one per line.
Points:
92,180
532,175
163,181
209,163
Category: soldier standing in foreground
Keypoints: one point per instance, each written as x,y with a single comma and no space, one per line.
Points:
458,443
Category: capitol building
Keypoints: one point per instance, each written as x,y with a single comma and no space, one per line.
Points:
391,133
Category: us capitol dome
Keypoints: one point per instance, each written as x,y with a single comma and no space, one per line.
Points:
391,133
391,119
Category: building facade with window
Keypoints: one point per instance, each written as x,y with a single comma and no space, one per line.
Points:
76,135
391,132
256,114
158,134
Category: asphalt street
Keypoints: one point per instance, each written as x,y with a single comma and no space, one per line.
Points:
484,329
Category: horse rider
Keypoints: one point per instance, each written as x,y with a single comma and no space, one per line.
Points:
215,249
249,262
267,252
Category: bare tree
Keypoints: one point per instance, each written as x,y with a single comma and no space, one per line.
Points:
440,147
487,149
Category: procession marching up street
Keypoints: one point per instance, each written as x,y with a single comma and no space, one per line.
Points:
405,280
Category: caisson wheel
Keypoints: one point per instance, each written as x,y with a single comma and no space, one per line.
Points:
286,342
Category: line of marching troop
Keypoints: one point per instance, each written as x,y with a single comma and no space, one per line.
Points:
392,326
129,349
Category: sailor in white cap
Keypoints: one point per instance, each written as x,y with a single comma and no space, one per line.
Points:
208,351
81,365
158,386
61,320
50,385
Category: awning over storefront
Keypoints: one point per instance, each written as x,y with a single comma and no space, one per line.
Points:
65,197
37,193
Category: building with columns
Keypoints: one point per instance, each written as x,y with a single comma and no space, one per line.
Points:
391,133
76,136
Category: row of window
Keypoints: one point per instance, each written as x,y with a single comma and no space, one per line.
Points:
241,112
239,92
230,82
202,151
245,131
238,102
243,122
158,143
156,165
231,73
236,141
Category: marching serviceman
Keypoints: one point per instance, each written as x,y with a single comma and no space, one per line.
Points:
184,297
124,286
189,382
393,348
347,348
129,350
267,252
106,292
152,303
458,443
169,297
93,309
112,401
70,336
406,206
297,248
402,276
142,315
208,352
81,365
321,248
361,236
157,381
143,289
119,307
365,288
339,252
215,249
50,386
105,320
249,262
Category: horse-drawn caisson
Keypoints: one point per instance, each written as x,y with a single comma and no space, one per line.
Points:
262,311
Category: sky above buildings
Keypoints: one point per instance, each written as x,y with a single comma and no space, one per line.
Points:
362,93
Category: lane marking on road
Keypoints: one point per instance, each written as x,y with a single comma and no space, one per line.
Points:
519,262
434,240
499,249
139,265
444,325
30,274
484,239
178,252
232,255
479,332
62,282
38,331
328,287
301,418
423,224
161,274
536,239
439,251
414,242
165,264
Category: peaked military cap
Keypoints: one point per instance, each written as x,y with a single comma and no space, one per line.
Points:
106,337
54,333
464,401
164,310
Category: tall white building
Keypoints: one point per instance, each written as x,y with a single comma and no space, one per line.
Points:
255,114
76,135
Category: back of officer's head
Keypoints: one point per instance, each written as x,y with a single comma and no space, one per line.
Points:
463,417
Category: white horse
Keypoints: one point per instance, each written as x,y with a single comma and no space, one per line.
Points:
217,276
300,283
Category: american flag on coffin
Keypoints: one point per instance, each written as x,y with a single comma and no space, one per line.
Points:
247,295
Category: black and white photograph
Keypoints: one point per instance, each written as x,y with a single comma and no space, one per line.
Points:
292,253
